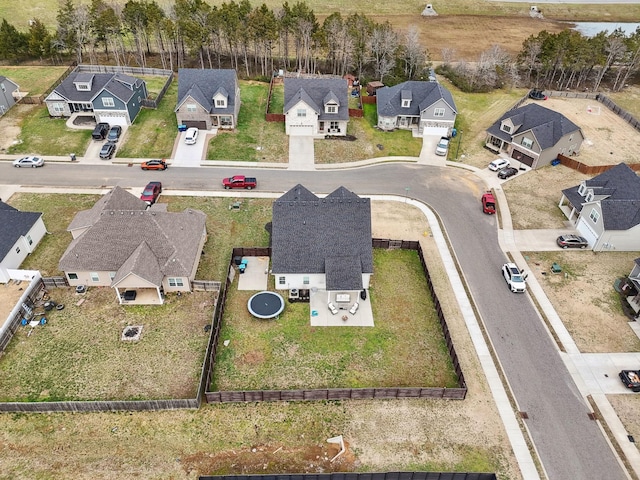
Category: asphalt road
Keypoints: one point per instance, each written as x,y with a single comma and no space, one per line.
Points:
570,445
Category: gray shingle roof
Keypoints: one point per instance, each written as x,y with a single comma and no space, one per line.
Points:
117,199
203,84
331,235
118,84
13,225
547,126
621,207
314,92
422,95
142,263
173,238
5,79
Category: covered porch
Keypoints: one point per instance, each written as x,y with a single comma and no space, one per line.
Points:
139,296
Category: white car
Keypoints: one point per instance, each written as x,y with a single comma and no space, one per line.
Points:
191,136
443,146
32,162
514,277
499,164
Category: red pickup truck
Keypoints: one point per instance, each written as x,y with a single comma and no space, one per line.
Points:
239,181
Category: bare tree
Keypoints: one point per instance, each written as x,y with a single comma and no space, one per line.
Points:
615,48
414,56
383,44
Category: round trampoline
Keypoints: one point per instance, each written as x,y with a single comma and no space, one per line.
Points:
266,304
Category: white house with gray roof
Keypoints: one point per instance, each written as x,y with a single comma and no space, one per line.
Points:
114,98
425,107
322,243
208,98
141,253
534,135
316,107
20,233
606,209
7,89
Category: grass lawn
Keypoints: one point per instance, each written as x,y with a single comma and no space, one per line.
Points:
34,80
277,99
153,133
290,354
78,354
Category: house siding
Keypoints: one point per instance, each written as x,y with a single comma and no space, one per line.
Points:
186,285
7,87
295,125
620,240
200,115
13,260
296,280
84,278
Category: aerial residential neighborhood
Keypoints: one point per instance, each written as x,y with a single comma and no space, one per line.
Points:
294,245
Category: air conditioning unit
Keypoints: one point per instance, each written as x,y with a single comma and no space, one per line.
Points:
293,293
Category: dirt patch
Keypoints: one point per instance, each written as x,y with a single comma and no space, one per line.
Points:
10,293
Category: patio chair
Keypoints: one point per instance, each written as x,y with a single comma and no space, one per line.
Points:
332,308
354,308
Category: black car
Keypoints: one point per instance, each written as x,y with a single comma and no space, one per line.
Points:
537,94
572,241
107,151
114,133
101,131
507,172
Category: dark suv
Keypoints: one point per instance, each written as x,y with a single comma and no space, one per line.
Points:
101,131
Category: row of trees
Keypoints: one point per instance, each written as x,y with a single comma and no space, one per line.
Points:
253,40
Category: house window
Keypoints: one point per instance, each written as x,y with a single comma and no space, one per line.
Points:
108,102
72,276
221,103
334,126
17,249
305,280
527,142
191,107
594,216
506,128
29,239
94,277
589,196
112,275
281,280
571,137
82,86
58,107
407,103
438,112
226,120
301,113
4,89
175,282
332,109
582,189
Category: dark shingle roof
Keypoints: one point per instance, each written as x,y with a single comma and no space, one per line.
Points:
621,206
421,94
13,225
203,84
116,235
116,199
118,84
315,92
331,235
547,126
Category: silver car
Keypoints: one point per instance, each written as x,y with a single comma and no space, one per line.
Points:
31,161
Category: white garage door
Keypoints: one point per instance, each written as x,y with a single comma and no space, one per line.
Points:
112,118
435,131
303,130
587,232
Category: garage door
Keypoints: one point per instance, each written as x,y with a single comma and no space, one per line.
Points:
303,130
113,118
435,131
587,232
522,158
200,125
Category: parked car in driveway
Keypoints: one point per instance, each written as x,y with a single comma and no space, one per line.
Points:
514,277
631,379
507,172
151,192
572,241
101,131
107,150
114,133
499,164
154,165
30,161
443,146
191,137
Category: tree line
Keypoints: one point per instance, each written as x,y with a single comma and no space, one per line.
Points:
253,40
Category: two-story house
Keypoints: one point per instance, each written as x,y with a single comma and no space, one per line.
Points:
606,209
20,233
208,98
534,135
426,107
114,98
316,107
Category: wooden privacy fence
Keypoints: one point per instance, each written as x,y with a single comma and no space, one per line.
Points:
55,282
100,406
591,169
206,286
360,476
458,393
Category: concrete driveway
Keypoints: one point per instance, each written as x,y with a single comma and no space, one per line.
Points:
191,155
301,153
428,152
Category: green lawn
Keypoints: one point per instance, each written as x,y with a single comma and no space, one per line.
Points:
34,80
290,354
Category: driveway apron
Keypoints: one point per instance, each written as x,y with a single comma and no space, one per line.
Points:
301,153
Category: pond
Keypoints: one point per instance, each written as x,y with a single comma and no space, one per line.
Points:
591,29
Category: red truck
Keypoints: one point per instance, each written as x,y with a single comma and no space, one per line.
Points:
239,181
488,203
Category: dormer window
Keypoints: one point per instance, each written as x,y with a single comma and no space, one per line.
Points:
582,189
331,108
221,103
506,128
406,103
589,196
83,86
